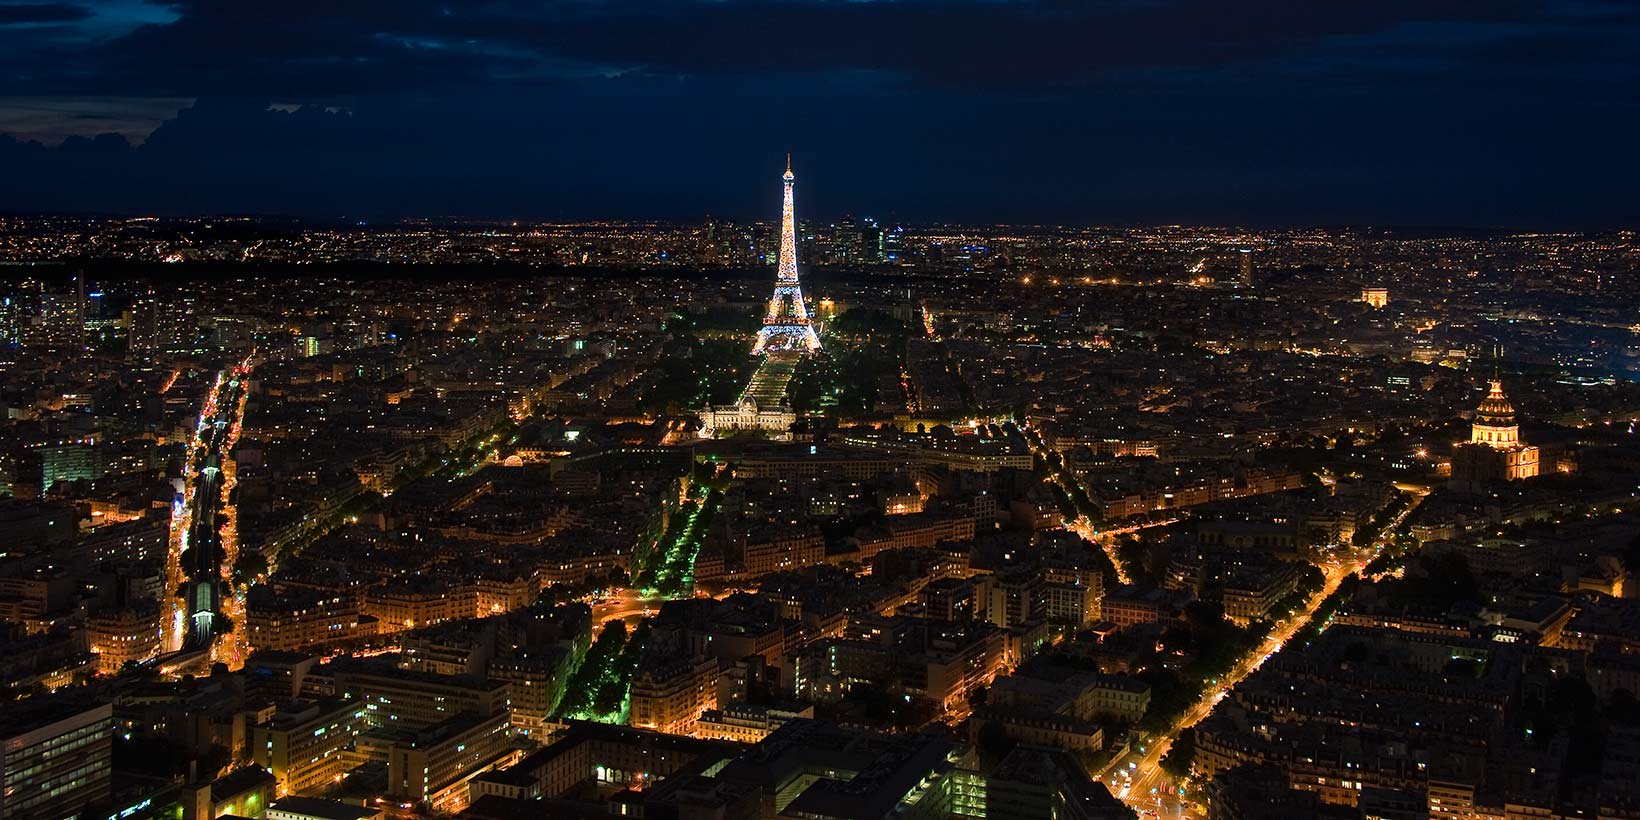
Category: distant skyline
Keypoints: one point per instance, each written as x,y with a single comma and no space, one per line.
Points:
1451,113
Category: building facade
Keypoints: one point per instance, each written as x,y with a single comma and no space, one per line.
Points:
58,758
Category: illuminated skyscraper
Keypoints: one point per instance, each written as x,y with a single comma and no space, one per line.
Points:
871,241
168,323
10,319
786,325
142,324
59,320
845,242
894,244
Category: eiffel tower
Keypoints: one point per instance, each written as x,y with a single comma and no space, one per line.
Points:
786,326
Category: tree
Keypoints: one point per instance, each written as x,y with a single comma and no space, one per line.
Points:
1180,755
1066,507
1204,617
249,566
993,741
978,696
1084,504
1623,708
584,685
1133,555
1439,584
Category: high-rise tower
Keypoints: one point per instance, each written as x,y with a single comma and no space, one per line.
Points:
786,325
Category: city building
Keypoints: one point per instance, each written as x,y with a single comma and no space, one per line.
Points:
314,808
298,618
246,792
748,722
57,757
400,698
432,766
747,414
1494,452
303,743
1032,783
123,636
669,693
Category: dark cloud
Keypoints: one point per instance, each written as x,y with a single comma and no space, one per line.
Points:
1504,111
984,43
315,47
42,13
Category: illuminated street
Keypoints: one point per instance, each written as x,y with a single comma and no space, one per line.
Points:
204,522
1138,778
626,604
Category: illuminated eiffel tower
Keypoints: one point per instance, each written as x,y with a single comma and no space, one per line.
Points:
786,326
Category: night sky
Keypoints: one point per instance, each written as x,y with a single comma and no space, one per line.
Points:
1255,112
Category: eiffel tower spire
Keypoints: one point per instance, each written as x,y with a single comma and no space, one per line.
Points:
786,325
